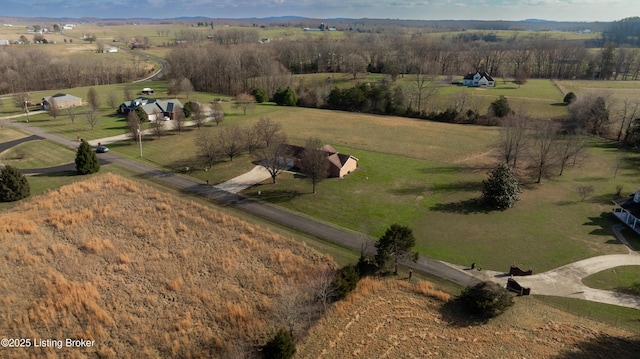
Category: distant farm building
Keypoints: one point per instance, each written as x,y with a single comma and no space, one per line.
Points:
478,79
61,101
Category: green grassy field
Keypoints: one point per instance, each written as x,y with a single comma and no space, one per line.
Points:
624,279
414,172
37,154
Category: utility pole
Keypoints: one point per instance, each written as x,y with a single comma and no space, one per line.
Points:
140,140
26,110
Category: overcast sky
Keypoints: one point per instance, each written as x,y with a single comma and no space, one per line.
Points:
563,10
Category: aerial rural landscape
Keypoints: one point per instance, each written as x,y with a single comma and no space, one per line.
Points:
203,186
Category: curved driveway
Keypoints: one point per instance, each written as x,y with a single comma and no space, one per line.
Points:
564,281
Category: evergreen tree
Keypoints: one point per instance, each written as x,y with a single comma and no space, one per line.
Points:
570,98
285,97
346,281
86,159
13,185
260,94
501,190
280,347
396,244
485,299
500,107
141,114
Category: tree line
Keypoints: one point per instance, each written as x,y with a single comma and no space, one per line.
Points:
32,69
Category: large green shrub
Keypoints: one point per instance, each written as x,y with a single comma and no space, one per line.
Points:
346,281
86,159
485,300
260,94
569,98
500,107
141,114
280,347
501,190
285,97
13,185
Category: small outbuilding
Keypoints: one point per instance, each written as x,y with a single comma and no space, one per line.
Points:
61,100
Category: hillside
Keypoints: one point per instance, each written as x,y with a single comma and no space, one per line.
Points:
390,319
143,274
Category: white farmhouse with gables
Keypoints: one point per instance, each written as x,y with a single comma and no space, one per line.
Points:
627,209
478,79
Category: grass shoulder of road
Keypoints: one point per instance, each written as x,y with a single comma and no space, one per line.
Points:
37,154
617,316
8,134
624,279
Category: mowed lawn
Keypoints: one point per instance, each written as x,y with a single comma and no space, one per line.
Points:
425,175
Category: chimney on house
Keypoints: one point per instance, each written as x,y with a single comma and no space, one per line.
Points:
636,196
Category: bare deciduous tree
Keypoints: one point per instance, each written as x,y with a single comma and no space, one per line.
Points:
186,87
274,157
251,139
231,141
626,115
217,113
179,120
266,130
354,63
323,286
128,95
569,149
158,124
93,99
92,118
53,108
197,114
112,100
291,308
244,101
314,162
585,191
543,151
208,149
513,138
133,125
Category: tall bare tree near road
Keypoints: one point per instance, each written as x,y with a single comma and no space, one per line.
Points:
314,162
273,157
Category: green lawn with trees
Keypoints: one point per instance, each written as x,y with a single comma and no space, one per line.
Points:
422,174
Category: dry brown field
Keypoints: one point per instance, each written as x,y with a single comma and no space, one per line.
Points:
143,274
392,318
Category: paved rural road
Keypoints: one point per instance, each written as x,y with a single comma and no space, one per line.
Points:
565,281
298,222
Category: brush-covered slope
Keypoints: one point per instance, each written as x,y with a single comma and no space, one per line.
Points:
142,274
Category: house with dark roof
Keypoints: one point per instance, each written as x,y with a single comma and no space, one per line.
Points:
627,210
478,79
127,107
338,164
161,109
61,100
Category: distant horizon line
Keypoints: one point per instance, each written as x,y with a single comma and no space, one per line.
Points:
294,17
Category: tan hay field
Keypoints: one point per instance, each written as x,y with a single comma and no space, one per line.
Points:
142,273
392,318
